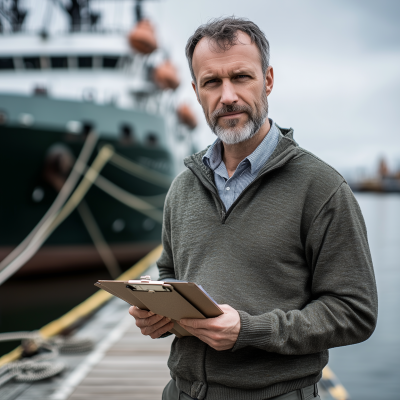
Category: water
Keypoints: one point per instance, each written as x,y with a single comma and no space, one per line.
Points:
371,370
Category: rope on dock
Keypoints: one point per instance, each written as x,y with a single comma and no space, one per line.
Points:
40,366
88,306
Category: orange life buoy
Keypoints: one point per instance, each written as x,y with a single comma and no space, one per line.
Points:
142,38
166,76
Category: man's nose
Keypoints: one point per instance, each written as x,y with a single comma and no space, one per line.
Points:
228,95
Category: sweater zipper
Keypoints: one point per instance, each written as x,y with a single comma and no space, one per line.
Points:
224,213
248,187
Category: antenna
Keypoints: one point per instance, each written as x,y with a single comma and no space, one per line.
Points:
139,10
79,13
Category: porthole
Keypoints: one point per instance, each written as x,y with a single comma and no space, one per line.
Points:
26,119
118,225
37,194
74,127
126,133
152,139
148,224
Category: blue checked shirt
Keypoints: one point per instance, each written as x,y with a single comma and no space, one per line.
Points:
229,189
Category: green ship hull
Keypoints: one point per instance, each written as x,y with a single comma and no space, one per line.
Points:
129,233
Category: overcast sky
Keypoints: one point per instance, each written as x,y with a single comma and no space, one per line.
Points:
336,64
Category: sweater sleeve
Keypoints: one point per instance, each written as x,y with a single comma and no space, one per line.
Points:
343,306
165,263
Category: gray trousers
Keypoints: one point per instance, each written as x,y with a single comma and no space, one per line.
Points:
171,392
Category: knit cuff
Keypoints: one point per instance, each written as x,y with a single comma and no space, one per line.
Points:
255,331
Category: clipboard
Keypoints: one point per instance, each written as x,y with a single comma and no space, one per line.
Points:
175,300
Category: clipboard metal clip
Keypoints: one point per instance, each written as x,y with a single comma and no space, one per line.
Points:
145,278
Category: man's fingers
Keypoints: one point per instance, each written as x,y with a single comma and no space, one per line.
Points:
138,313
148,330
145,322
156,334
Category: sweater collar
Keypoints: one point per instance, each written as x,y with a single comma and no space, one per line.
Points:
213,156
284,151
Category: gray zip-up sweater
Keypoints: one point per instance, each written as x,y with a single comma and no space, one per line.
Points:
291,255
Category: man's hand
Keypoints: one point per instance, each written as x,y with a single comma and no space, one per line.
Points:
151,324
220,333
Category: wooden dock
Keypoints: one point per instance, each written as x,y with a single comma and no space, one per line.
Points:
133,367
124,364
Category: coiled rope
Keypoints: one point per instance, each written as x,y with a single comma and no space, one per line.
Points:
40,366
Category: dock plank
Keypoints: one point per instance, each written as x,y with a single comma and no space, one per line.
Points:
134,367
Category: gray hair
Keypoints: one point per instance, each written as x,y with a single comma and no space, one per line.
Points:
224,32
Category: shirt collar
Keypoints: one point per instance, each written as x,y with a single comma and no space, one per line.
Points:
257,159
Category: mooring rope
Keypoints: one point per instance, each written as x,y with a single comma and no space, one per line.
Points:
62,208
54,221
129,199
137,170
40,366
61,198
98,240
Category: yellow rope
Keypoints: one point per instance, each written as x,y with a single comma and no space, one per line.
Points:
88,306
337,390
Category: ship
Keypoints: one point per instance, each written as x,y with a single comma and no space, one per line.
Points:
385,181
76,99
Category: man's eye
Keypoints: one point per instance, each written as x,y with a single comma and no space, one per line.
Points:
211,81
242,76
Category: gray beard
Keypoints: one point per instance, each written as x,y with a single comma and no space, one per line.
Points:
233,134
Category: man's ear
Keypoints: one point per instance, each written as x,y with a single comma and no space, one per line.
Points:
195,90
269,80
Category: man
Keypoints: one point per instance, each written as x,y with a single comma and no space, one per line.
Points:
272,233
